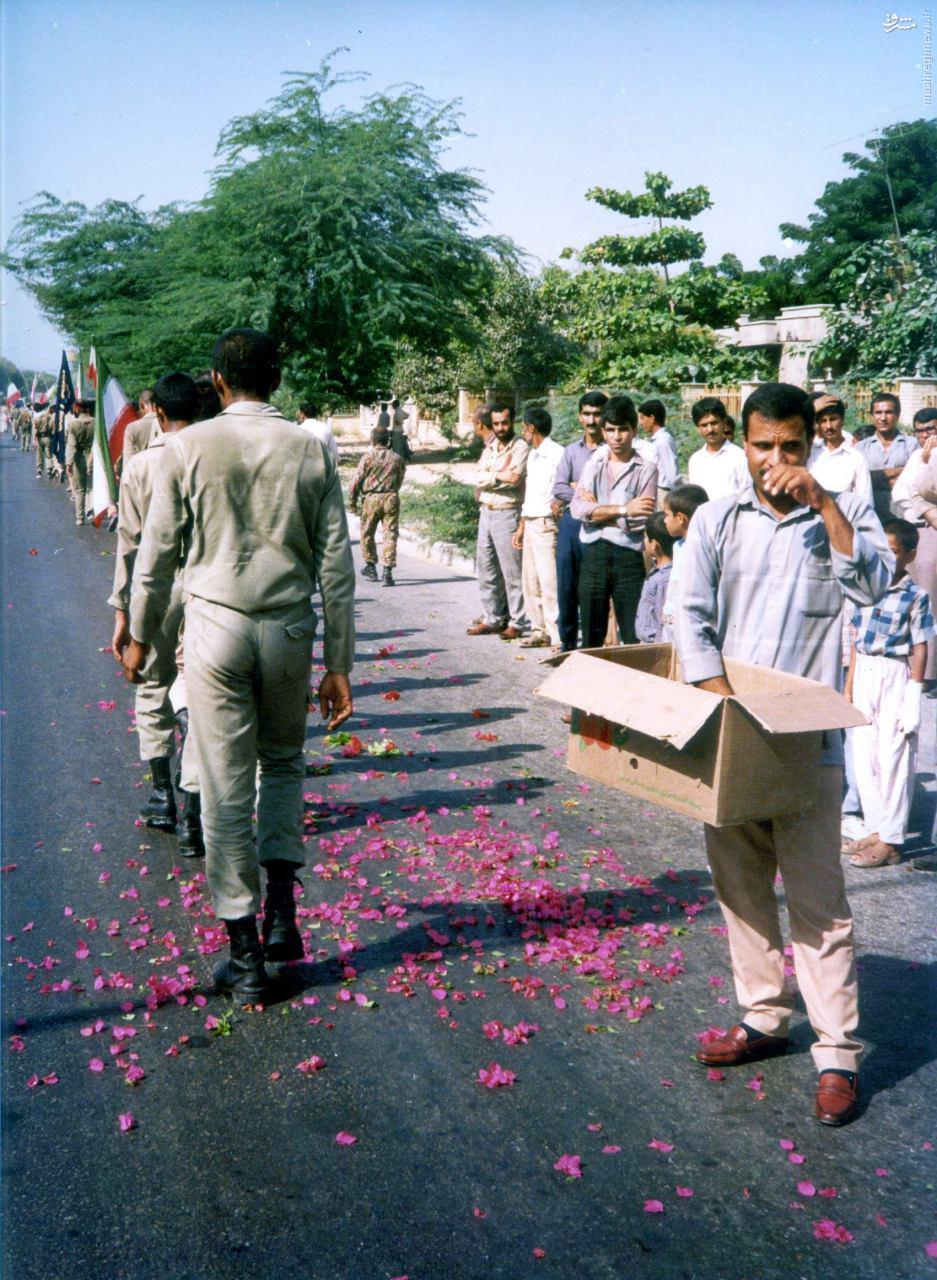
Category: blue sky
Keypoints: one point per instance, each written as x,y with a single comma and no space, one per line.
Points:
754,98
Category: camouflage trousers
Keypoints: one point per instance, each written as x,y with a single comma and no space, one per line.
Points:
384,509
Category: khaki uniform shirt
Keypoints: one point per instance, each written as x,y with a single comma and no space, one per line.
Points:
139,436
497,457
45,424
252,506
136,490
80,437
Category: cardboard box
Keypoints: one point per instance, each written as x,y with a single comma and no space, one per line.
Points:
637,727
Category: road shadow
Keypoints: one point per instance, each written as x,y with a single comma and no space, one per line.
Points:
897,1000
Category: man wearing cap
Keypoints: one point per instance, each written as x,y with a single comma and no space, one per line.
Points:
78,443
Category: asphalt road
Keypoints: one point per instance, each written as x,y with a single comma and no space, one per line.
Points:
458,895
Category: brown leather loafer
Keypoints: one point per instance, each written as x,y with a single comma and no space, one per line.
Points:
511,633
837,1100
483,629
735,1048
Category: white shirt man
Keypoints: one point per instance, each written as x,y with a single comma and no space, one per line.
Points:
537,532
321,430
721,472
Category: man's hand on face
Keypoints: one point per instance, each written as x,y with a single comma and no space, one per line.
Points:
796,482
133,660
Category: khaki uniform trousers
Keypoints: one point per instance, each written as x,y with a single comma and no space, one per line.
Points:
247,675
384,509
80,484
156,719
43,455
538,577
805,848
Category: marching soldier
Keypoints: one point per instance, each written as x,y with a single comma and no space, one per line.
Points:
378,478
78,443
176,404
140,434
255,505
44,429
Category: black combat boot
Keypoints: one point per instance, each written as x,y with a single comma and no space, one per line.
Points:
160,809
243,976
282,939
388,578
189,830
370,572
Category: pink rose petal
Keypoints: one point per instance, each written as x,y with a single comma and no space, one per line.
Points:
570,1165
684,1192
126,1121
345,1139
653,1206
806,1189
95,1064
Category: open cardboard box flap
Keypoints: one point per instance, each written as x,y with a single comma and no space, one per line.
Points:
673,712
663,709
791,705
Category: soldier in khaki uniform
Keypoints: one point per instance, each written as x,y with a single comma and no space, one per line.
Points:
26,428
176,404
44,429
252,505
139,435
377,479
78,442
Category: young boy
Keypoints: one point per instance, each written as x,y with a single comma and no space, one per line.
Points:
658,547
680,506
885,681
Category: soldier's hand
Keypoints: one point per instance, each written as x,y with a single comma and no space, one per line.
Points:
335,701
121,636
133,660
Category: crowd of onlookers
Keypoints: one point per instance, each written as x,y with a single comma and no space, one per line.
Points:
581,546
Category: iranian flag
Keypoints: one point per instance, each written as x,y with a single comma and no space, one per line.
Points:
13,393
112,414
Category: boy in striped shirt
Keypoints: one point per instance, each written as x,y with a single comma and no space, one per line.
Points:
885,682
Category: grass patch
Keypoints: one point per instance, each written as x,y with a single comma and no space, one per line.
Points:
444,511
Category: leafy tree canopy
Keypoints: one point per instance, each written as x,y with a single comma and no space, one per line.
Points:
339,231
900,166
887,325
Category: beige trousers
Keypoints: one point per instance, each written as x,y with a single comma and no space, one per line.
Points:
247,676
538,577
155,717
805,849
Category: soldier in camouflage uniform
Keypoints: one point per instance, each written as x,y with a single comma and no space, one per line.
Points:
78,454
377,479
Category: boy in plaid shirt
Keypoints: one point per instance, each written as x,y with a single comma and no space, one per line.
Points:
885,682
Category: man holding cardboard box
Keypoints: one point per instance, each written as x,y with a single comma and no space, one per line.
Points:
765,573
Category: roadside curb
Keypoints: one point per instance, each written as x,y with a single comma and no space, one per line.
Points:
409,543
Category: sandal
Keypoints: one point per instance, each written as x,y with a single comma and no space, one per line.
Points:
876,855
854,846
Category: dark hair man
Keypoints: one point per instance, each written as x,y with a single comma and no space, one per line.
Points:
568,542
536,533
837,465
659,447
176,403
307,415
616,493
139,434
377,480
719,467
499,483
764,576
253,506
887,451
79,440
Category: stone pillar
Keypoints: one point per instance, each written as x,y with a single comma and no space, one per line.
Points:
915,393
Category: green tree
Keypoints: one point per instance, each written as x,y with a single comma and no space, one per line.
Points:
887,324
891,192
339,231
636,324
